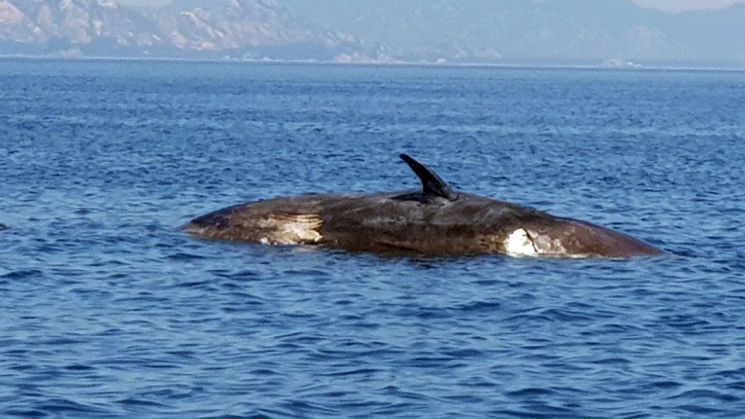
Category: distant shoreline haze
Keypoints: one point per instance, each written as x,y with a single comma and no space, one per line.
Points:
667,5
609,33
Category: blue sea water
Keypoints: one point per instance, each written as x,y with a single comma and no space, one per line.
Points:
108,310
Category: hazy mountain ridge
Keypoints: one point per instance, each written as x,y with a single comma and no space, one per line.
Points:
185,28
493,31
518,31
53,25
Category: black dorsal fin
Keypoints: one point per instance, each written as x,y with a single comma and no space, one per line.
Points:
432,185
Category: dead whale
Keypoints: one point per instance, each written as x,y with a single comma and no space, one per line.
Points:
435,220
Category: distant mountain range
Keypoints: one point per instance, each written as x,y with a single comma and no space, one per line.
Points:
613,32
537,31
241,29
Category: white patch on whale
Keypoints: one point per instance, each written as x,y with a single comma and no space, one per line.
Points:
529,243
546,246
290,229
519,243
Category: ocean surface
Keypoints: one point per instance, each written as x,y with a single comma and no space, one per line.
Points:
108,310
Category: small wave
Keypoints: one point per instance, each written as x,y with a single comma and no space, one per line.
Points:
79,368
479,306
565,315
184,257
357,371
302,408
665,384
138,402
64,407
698,409
463,353
23,274
530,392
706,394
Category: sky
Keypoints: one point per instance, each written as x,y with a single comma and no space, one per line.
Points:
672,5
680,5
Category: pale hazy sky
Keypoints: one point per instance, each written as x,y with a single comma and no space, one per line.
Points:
675,5
678,5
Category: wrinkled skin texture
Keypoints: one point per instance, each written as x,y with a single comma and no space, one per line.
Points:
412,223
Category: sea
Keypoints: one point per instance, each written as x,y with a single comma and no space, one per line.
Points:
108,310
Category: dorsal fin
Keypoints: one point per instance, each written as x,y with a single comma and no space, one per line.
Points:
432,185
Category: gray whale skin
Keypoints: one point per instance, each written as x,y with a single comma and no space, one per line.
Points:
435,221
